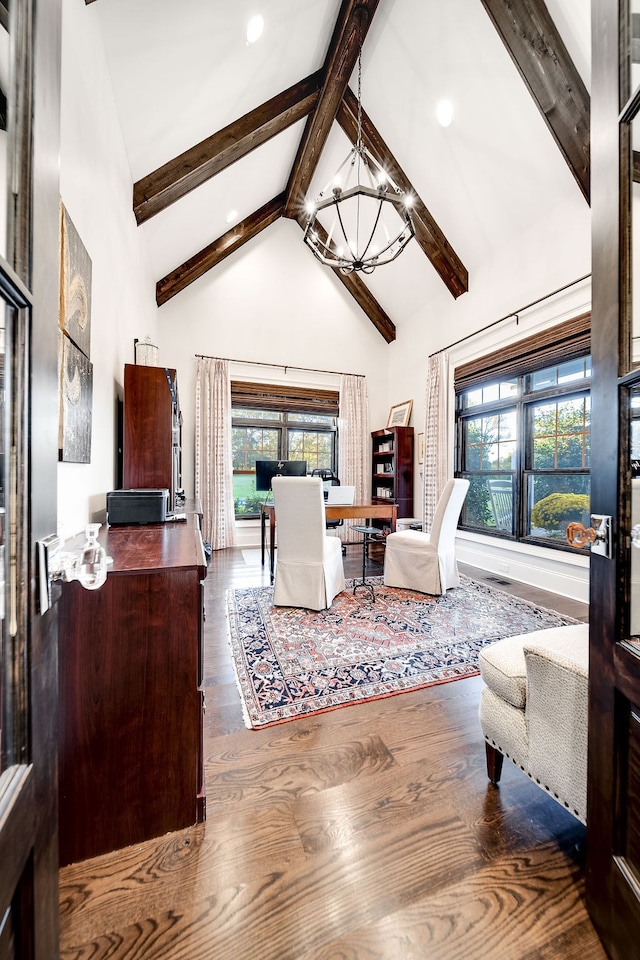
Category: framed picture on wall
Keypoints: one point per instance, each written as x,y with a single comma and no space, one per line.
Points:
76,400
399,414
75,289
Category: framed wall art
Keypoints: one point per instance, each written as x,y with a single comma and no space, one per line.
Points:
76,398
75,287
400,414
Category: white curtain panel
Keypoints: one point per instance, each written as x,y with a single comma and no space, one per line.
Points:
435,435
214,461
353,442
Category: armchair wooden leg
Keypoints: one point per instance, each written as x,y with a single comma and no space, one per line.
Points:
494,763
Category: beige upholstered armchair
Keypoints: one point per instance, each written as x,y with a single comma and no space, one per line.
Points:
533,710
309,571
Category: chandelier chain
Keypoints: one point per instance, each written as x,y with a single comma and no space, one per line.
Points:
359,131
361,240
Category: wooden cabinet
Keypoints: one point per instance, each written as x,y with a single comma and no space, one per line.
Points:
392,468
131,695
151,429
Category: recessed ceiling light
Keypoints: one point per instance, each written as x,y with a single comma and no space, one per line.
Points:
444,112
254,28
232,215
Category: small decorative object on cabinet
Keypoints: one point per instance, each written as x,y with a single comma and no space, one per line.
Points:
152,430
392,469
131,693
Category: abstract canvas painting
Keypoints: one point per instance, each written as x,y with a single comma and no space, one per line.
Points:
75,287
76,396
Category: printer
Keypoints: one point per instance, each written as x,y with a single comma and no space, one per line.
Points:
138,506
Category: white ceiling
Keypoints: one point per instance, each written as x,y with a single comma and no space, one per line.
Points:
181,72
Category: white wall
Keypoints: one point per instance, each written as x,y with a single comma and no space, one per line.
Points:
271,302
96,189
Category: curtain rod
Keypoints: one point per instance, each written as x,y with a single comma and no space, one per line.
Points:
514,313
283,366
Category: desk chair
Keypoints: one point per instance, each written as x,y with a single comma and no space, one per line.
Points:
426,561
309,571
329,479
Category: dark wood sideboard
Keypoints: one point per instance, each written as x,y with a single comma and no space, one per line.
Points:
131,694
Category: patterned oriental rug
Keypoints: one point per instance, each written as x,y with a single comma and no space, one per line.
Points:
291,662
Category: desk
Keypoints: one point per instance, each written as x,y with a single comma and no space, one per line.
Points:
357,511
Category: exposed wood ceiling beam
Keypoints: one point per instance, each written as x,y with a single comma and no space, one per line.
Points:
215,252
536,48
4,15
212,254
360,293
179,176
350,30
428,234
363,296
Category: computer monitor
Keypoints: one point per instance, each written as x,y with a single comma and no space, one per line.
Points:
266,470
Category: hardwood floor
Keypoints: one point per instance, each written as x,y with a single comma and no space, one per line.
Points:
367,833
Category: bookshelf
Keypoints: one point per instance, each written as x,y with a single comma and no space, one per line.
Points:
392,468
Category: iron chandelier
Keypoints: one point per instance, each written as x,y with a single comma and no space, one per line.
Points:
372,221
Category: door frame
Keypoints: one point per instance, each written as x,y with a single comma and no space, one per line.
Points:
28,802
613,891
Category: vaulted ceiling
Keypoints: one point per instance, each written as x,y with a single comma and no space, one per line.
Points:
216,128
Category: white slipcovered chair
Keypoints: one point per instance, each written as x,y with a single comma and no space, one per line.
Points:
426,561
309,571
534,707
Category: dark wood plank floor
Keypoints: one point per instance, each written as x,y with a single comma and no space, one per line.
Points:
366,833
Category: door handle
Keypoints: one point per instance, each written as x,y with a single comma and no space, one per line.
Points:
598,535
578,535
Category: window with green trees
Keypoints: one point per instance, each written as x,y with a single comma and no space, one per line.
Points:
523,443
273,435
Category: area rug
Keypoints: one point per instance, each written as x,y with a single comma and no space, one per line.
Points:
291,662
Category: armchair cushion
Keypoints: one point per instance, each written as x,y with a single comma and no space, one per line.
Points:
503,669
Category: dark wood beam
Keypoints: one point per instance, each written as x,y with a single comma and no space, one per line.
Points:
428,234
360,293
537,49
175,179
212,254
366,300
350,30
4,16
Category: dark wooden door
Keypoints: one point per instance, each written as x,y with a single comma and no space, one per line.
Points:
613,813
17,781
29,279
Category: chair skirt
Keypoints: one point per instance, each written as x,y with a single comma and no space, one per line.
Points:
312,585
411,561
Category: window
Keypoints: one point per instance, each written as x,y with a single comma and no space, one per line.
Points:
297,424
523,442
